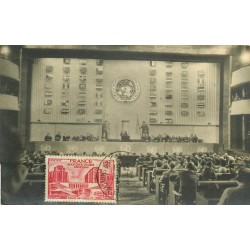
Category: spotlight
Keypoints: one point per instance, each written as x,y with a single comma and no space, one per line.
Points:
5,51
245,56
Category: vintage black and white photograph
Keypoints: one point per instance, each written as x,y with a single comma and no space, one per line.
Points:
124,125
177,119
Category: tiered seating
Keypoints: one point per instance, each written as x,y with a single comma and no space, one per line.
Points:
212,190
33,189
208,191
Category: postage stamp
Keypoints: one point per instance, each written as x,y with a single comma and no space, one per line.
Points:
80,179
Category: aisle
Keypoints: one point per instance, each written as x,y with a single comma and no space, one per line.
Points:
133,193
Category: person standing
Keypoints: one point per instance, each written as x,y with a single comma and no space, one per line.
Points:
145,130
105,130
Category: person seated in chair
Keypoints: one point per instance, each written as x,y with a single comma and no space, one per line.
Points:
66,137
89,137
48,137
164,180
157,165
13,172
147,138
58,137
223,166
123,133
207,173
188,184
239,195
165,175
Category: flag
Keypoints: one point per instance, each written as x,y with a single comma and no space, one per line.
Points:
137,129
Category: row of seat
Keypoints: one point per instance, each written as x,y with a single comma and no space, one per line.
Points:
208,192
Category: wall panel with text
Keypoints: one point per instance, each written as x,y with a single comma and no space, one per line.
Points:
163,93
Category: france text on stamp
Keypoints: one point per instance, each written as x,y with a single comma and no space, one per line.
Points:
80,179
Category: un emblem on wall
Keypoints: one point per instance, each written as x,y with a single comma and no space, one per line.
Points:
45,147
177,149
125,90
202,149
99,149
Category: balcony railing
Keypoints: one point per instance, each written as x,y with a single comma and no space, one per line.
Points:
8,102
241,76
240,107
9,69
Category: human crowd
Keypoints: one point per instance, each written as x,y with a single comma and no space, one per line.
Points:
172,138
16,164
218,163
240,96
66,137
188,170
203,163
164,137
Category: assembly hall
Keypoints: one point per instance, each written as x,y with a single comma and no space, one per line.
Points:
175,117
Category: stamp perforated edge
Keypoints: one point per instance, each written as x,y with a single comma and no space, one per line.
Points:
90,202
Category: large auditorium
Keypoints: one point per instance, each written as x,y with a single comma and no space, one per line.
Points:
175,120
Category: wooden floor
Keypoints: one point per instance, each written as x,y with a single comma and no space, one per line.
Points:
131,192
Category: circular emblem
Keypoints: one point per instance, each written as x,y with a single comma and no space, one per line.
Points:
125,90
125,147
151,149
45,147
202,149
99,149
72,148
177,149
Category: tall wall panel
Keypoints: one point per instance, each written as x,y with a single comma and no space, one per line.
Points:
78,91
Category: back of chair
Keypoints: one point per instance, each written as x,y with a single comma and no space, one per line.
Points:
224,176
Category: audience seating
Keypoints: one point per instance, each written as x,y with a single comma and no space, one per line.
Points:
173,198
208,191
203,195
201,199
145,174
212,190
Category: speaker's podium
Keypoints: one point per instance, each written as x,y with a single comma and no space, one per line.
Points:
125,138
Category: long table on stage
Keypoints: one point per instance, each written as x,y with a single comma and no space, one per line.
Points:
107,147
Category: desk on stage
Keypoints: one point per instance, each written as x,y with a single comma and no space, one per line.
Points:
125,138
71,147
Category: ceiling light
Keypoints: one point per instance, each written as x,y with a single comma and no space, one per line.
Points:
5,51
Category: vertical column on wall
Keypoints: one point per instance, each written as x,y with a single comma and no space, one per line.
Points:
229,136
154,108
99,92
24,97
243,133
168,94
224,127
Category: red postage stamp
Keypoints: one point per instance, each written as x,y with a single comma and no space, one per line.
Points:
80,179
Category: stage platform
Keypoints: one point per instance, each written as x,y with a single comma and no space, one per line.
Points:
71,147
